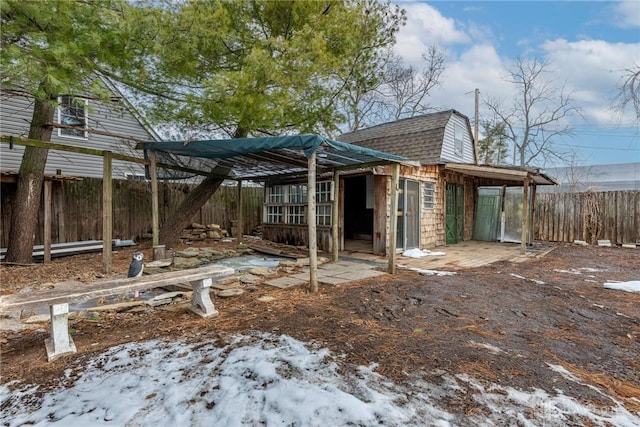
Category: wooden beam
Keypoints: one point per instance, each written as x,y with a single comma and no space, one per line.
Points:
93,152
107,212
155,210
393,219
311,222
335,240
525,215
47,221
240,213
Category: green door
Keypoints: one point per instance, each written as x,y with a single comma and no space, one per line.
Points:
454,222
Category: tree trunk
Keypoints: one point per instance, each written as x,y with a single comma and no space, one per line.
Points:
26,204
172,229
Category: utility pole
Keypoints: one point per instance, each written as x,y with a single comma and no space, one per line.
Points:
477,120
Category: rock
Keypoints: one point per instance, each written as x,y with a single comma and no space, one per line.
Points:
227,293
183,263
249,279
213,235
266,298
198,226
288,264
159,263
261,271
227,280
187,253
213,226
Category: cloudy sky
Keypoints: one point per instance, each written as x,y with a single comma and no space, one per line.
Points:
588,44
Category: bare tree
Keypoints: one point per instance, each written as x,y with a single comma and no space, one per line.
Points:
538,113
406,88
629,91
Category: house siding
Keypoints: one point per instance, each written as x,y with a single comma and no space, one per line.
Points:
448,153
15,117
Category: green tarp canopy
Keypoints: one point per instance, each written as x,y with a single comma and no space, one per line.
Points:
267,157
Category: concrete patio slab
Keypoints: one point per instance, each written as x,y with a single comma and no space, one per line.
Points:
328,280
359,274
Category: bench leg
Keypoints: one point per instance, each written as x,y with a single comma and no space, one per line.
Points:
60,342
201,303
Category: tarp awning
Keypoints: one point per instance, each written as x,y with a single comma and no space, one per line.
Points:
265,157
513,174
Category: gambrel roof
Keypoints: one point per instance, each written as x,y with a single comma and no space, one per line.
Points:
416,138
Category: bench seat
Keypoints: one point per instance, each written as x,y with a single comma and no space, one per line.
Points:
62,294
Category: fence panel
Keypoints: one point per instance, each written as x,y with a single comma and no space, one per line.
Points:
77,209
589,216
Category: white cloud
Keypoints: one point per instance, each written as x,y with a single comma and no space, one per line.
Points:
592,70
425,27
627,14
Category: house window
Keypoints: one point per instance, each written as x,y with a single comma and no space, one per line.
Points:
276,194
287,204
297,214
72,112
323,214
428,194
275,214
458,140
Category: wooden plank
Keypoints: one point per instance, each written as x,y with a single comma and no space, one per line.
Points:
240,223
71,292
107,211
525,215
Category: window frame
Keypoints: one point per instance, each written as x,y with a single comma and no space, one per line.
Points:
80,103
458,143
288,204
428,195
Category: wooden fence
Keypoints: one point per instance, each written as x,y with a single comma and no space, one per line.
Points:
589,216
77,209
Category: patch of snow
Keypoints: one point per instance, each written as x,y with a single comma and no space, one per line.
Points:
536,281
432,272
632,286
419,253
275,380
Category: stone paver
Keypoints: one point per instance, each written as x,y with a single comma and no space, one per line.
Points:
285,282
359,274
328,280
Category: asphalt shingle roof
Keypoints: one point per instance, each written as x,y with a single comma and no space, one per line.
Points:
417,138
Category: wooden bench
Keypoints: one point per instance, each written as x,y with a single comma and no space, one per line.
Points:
62,294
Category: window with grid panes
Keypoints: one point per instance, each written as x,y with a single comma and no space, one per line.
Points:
297,214
275,214
428,194
323,214
72,112
287,204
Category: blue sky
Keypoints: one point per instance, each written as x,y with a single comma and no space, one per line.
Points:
588,43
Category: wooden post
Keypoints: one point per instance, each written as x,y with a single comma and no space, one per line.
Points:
393,219
335,239
155,215
47,221
311,222
532,211
240,213
525,215
107,211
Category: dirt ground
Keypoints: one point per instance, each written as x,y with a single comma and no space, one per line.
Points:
505,323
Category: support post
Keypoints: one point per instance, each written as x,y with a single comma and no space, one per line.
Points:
60,342
393,219
311,222
201,303
155,215
335,239
532,211
47,221
240,213
525,215
107,211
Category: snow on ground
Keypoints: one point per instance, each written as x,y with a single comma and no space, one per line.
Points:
419,253
263,379
632,286
536,281
426,272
